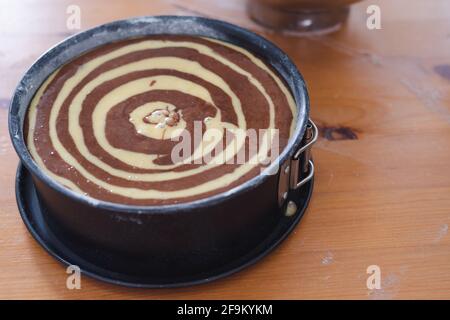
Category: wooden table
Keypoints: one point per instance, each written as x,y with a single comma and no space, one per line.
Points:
382,193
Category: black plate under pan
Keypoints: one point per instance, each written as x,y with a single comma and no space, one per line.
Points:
32,215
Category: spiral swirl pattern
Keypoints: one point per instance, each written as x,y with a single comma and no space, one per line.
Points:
104,124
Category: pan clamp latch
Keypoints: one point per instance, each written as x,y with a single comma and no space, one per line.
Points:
300,169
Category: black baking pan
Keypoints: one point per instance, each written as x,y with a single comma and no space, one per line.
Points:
99,267
167,245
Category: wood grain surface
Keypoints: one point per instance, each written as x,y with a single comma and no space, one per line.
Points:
382,193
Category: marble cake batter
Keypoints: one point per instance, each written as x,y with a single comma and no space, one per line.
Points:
102,124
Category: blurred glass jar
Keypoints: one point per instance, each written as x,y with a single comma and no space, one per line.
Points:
300,15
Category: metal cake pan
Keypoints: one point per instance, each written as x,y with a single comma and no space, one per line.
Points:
175,244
